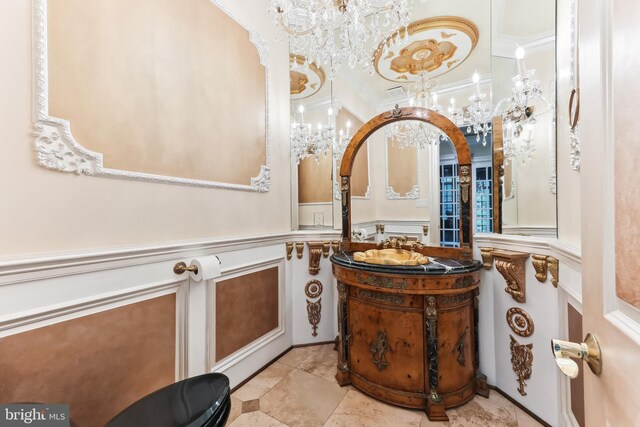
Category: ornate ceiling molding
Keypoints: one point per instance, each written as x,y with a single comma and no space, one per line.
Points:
433,45
304,82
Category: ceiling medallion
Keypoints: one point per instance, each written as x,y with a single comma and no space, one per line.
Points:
434,46
306,79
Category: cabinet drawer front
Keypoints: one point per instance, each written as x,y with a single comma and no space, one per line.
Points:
386,346
386,298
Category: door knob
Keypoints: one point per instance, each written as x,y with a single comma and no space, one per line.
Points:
589,351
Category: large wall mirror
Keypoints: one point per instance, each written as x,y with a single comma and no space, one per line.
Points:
147,90
458,58
524,94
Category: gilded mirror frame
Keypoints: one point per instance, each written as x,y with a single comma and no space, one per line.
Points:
464,172
57,149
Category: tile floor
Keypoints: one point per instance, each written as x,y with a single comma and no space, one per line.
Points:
299,390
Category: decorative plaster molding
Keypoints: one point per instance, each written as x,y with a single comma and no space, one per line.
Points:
521,362
57,149
487,258
316,249
574,137
391,194
543,264
520,322
299,249
511,265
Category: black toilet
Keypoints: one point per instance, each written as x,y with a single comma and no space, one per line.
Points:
202,401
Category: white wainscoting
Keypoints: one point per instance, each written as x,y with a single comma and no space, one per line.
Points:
547,389
40,291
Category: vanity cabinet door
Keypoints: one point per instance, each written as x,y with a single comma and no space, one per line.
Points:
386,345
456,349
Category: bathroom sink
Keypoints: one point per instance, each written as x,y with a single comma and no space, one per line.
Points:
390,257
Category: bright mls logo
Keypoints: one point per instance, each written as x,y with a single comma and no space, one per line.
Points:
34,414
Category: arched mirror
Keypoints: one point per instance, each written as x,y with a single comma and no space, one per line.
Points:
461,181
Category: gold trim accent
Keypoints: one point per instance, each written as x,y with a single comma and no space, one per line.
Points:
181,267
378,349
326,246
521,362
465,182
520,322
487,257
300,59
335,246
511,265
315,254
299,249
554,270
540,265
444,22
425,230
289,246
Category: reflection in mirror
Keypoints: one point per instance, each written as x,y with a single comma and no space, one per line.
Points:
523,87
442,61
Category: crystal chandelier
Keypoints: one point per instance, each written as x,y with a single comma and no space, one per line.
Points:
518,112
478,119
333,32
308,140
417,134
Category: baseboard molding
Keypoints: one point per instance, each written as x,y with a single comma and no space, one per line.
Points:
519,405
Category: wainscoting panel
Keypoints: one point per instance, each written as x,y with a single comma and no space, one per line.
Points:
247,308
98,363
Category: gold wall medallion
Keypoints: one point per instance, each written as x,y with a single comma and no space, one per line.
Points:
315,255
520,322
511,265
433,45
304,81
540,266
313,288
554,269
378,349
521,362
299,249
289,246
487,258
314,313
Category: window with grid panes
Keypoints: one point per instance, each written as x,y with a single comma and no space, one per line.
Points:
484,199
449,206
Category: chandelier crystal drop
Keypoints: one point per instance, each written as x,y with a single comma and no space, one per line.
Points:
331,33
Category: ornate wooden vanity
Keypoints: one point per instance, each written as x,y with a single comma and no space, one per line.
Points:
408,334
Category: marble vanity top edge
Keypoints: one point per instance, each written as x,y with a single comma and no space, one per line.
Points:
437,266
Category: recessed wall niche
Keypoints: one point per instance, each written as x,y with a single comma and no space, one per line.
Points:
160,90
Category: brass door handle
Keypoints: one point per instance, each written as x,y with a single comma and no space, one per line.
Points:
589,351
181,267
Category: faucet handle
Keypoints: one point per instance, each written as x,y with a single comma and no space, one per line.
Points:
589,351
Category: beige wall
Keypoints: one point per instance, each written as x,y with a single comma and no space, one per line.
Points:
45,211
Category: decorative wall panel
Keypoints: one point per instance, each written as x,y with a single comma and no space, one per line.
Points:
99,363
246,309
402,172
152,90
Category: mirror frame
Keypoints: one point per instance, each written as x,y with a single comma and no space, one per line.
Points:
498,173
464,173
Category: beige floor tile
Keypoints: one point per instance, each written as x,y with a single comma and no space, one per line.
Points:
256,419
236,410
296,356
426,423
263,382
302,399
357,409
322,362
524,420
494,412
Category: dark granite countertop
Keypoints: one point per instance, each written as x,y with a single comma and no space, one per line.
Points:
437,266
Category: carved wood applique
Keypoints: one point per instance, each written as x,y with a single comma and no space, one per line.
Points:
313,289
543,264
289,246
487,257
316,250
511,265
460,347
378,349
521,362
299,249
520,322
